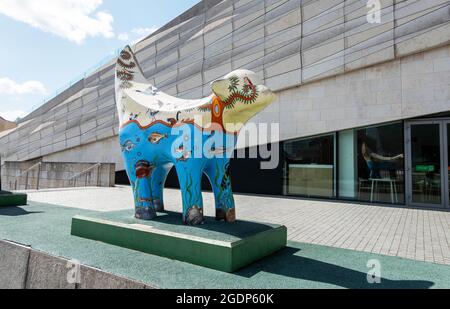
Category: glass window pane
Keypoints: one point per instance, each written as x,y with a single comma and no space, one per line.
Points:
310,167
426,164
381,171
448,156
347,165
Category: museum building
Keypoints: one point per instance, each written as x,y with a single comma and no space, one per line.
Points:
363,96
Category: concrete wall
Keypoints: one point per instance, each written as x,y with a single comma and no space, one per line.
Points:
318,45
22,267
106,150
55,175
401,89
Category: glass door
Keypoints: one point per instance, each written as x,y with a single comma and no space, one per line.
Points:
447,163
427,166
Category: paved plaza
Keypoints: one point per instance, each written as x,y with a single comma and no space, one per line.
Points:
416,234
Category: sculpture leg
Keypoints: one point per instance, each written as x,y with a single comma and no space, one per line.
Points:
218,172
190,185
159,177
143,197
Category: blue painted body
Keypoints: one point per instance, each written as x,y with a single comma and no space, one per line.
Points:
159,132
150,153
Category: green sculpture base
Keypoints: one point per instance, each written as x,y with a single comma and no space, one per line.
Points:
215,245
8,199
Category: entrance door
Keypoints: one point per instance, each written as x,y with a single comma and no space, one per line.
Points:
447,162
427,163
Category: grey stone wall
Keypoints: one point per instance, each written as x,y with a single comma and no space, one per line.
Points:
404,88
290,43
51,175
106,150
25,268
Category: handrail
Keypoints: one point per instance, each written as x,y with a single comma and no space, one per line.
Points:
73,178
29,170
39,164
85,173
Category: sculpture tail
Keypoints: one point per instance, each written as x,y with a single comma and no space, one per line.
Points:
128,69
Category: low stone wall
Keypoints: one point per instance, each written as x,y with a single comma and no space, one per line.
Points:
8,199
22,267
53,175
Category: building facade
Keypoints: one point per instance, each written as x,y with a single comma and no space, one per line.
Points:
364,96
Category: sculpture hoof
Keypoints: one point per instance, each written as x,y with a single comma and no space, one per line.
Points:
145,214
159,205
231,216
220,214
194,216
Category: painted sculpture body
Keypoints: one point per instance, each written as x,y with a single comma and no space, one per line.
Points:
159,132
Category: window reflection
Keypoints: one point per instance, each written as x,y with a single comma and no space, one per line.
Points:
381,173
310,167
426,164
370,165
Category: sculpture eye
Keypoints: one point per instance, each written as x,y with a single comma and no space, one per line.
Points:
128,146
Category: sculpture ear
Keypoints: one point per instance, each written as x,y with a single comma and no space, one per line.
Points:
220,87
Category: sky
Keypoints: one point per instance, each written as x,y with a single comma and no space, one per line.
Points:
47,44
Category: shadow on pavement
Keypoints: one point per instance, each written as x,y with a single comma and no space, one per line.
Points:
286,263
16,212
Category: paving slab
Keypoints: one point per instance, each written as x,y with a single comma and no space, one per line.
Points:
46,228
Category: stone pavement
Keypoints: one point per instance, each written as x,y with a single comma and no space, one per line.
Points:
416,234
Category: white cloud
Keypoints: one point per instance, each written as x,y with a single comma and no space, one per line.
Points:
136,34
74,20
12,115
10,87
123,36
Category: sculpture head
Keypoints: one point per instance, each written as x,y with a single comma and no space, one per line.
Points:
242,95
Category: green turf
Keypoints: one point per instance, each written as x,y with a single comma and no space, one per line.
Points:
47,228
8,199
216,245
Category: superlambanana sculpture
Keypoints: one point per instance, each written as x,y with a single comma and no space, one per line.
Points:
158,131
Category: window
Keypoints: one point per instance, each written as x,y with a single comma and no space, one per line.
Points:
380,164
365,165
310,167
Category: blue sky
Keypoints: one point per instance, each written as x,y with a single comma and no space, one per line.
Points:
48,43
